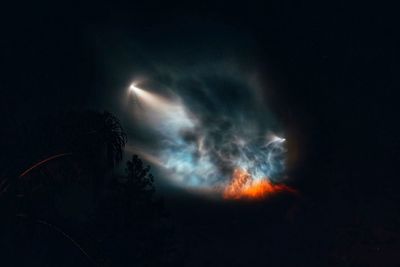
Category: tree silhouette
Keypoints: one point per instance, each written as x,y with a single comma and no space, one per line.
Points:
136,225
106,130
69,150
139,177
93,135
132,195
62,200
95,138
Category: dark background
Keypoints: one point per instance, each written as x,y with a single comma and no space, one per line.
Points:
333,67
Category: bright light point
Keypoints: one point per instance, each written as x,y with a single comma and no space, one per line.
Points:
137,91
275,139
278,139
133,88
196,153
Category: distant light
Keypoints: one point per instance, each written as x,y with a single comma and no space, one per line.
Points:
275,139
133,88
137,91
147,98
278,139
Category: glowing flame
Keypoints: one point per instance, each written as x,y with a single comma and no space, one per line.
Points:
243,186
195,151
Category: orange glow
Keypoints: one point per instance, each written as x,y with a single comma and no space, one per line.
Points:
243,186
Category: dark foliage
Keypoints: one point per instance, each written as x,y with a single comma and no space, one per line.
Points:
139,177
72,211
90,134
137,226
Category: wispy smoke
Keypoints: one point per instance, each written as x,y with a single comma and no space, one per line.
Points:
210,121
202,112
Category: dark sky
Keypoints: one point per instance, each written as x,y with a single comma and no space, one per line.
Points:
329,70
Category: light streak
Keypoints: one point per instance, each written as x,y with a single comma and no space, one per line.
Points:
42,162
205,155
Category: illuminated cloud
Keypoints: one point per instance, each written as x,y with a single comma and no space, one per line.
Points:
209,126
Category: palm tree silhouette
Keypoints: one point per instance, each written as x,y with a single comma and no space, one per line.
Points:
93,140
113,136
96,137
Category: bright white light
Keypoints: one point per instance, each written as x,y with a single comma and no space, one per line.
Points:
145,97
278,139
272,138
158,110
133,88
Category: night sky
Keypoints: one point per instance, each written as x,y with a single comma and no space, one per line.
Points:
321,76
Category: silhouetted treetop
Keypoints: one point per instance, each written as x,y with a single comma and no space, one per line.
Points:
139,176
93,132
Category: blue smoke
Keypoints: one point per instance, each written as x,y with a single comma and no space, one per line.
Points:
211,124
